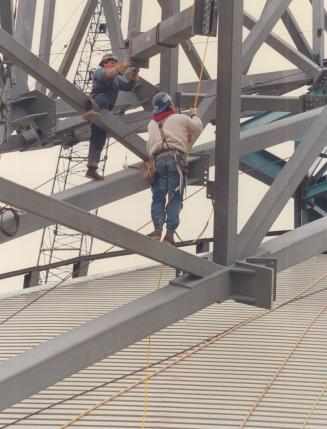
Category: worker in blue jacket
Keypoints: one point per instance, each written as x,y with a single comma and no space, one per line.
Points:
106,83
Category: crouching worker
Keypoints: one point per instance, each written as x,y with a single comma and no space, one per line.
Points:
170,140
107,81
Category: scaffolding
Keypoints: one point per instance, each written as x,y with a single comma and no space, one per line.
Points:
59,242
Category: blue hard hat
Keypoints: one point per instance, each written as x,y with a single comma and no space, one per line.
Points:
161,101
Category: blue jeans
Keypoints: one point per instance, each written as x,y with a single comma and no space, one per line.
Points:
167,181
98,135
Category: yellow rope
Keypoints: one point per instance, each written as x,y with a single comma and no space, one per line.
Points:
201,75
312,410
196,349
148,361
280,369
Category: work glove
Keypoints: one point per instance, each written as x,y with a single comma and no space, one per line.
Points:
121,68
135,74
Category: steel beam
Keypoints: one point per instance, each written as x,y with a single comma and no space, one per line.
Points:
68,92
46,35
50,362
325,17
114,29
264,167
23,34
296,34
82,221
169,57
287,51
284,186
228,107
266,103
7,16
318,34
265,136
296,246
135,18
77,37
171,31
194,59
271,14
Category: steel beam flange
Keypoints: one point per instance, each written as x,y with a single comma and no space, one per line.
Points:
269,263
249,283
255,289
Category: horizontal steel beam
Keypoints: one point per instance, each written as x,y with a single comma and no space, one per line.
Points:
265,103
171,31
105,230
296,246
68,92
69,353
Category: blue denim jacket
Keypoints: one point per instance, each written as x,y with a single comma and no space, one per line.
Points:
110,87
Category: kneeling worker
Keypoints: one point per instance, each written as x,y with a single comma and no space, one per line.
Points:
170,140
107,81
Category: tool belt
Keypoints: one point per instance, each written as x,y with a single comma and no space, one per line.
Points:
169,152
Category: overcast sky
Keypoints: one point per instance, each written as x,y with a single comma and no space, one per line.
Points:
33,168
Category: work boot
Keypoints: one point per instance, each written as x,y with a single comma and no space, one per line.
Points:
91,115
93,174
169,237
156,234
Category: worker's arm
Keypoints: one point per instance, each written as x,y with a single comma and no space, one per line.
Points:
128,85
110,73
195,124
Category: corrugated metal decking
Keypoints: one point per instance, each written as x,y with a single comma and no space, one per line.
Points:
213,388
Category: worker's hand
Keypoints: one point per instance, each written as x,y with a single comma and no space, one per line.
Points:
194,111
135,74
121,68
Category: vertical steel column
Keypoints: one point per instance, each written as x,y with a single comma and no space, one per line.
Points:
46,35
228,130
24,35
112,11
135,17
318,16
7,16
169,57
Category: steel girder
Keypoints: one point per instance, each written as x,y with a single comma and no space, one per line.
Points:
68,92
60,357
228,107
82,221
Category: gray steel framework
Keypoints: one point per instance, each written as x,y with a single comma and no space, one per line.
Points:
57,241
241,266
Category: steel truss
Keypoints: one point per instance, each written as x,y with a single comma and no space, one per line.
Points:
57,241
241,266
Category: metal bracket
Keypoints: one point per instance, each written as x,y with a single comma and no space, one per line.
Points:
199,169
321,81
313,101
253,288
211,189
33,116
269,263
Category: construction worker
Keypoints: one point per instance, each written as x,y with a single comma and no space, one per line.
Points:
107,81
170,140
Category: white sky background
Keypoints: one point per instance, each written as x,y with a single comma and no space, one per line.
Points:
33,168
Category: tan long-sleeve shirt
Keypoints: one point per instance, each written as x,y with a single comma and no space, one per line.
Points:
178,130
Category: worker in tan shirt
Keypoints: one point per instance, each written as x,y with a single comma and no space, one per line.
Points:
170,141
